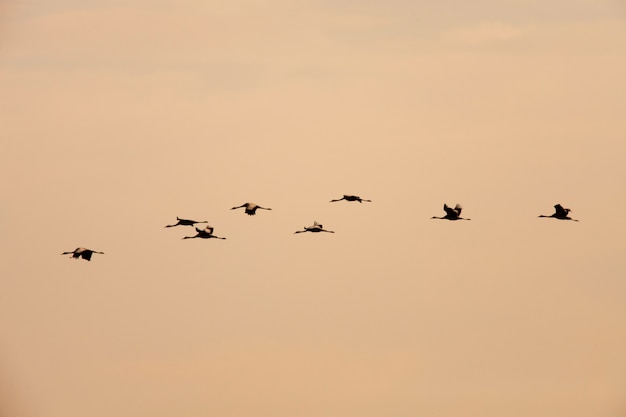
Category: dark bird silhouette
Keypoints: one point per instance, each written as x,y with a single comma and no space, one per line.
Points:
82,253
451,213
316,228
560,213
185,222
206,233
351,198
251,208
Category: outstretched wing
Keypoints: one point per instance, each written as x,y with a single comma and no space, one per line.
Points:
449,210
458,209
560,211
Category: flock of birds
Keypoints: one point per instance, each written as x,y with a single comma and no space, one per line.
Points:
452,213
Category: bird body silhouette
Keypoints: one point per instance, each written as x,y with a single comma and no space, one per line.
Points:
206,233
351,198
82,253
251,208
560,213
451,213
316,228
185,222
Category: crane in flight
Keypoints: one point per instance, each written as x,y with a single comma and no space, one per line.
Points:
82,253
251,208
451,213
560,213
316,228
351,198
185,222
206,233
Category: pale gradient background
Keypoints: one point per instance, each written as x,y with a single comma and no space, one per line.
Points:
117,116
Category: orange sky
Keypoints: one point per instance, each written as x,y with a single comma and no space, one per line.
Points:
119,116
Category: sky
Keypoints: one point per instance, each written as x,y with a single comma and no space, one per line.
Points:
119,116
